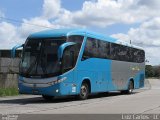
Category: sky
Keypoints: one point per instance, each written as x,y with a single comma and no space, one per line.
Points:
135,20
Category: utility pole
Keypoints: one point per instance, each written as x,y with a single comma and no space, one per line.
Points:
130,41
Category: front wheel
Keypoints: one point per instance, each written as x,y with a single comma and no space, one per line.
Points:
84,91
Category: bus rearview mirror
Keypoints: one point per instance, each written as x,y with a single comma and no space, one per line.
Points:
62,48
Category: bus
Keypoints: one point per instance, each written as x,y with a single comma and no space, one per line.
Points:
62,62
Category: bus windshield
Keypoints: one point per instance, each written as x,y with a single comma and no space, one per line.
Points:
40,56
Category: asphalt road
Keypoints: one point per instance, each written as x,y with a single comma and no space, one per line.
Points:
146,100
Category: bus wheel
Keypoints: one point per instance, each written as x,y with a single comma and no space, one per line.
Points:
130,88
48,98
84,92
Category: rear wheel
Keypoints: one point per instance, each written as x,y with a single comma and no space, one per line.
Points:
84,91
130,88
47,97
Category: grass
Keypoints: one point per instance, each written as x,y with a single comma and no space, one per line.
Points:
8,92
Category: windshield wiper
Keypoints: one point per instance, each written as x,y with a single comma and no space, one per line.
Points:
38,61
32,65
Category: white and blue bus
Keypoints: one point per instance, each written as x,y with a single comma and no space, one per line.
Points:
64,62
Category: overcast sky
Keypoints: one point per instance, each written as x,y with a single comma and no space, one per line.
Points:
136,20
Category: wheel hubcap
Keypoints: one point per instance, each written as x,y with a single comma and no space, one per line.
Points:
83,91
131,88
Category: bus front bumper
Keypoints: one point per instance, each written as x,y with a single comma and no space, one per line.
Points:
33,89
59,89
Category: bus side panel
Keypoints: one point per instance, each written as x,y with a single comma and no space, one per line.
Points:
87,75
122,72
138,70
69,86
139,80
97,71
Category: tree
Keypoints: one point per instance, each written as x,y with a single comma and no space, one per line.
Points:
157,71
149,71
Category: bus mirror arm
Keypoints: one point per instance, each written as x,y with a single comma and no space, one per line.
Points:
13,51
62,48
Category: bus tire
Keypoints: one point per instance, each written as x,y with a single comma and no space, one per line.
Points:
84,91
47,97
130,88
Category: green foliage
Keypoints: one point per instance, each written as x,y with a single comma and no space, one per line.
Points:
152,71
8,91
157,71
149,71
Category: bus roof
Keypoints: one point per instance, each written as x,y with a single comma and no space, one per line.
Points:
67,32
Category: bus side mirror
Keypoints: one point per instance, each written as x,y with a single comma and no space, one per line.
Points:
13,51
62,48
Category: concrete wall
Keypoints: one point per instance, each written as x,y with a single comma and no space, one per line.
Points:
8,72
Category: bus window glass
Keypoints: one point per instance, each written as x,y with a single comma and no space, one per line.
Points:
96,48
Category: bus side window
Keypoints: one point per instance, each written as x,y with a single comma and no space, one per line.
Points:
95,48
138,55
113,51
67,59
87,51
103,49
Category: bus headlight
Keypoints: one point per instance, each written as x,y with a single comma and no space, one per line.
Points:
57,81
